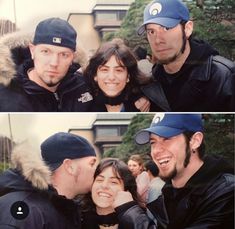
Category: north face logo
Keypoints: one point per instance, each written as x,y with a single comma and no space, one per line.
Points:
86,97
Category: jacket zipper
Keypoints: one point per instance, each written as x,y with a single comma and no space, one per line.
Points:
58,101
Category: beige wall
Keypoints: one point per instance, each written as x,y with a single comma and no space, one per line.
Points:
88,37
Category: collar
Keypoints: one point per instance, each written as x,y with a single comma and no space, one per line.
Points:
107,220
103,99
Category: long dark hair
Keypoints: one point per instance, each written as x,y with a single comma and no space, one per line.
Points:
123,54
121,170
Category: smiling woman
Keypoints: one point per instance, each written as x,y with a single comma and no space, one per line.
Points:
111,176
114,78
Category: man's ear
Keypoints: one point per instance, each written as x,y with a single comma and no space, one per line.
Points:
188,28
32,48
196,140
68,166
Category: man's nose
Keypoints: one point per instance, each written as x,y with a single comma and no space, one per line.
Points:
54,60
157,147
158,36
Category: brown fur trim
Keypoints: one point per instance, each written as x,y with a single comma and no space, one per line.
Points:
21,39
31,166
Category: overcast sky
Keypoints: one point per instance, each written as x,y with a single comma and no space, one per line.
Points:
30,12
37,127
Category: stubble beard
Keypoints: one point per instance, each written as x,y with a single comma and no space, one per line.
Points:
169,60
169,176
173,58
173,173
50,82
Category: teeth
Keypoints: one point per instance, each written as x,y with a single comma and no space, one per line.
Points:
164,161
104,194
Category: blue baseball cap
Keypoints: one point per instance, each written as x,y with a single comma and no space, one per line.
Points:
55,31
169,125
167,13
62,146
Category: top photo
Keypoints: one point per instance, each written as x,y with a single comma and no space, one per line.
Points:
117,56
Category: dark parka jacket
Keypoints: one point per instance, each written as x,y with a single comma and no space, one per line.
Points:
204,83
18,93
29,182
206,201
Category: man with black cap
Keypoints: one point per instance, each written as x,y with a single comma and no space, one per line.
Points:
38,191
189,75
199,189
42,75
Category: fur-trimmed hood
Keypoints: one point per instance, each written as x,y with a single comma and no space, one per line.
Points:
14,51
33,170
29,181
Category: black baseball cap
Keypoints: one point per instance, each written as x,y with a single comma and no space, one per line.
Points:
62,146
55,31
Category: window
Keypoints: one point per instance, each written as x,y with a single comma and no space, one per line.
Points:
106,16
110,131
110,15
121,15
106,131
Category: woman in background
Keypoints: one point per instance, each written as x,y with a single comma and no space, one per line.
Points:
136,166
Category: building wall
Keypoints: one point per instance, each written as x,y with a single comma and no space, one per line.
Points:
84,24
104,139
88,37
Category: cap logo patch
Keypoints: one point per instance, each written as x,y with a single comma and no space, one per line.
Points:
158,118
155,9
57,40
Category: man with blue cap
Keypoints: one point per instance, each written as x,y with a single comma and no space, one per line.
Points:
199,189
189,74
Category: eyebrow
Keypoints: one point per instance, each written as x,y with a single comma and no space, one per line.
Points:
109,177
117,66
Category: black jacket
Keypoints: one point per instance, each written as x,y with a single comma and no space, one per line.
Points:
18,93
204,83
127,216
206,201
91,220
47,209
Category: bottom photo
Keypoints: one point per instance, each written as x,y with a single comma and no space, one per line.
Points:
117,170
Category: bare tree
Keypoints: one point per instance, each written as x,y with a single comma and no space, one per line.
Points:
6,26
